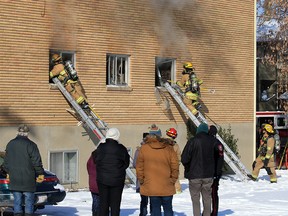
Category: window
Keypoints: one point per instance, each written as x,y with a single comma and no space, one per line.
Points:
66,55
164,70
65,166
117,70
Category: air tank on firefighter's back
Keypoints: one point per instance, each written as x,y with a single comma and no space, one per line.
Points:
71,70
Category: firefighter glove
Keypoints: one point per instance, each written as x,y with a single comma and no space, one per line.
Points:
40,179
266,161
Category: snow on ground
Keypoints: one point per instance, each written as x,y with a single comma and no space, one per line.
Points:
236,198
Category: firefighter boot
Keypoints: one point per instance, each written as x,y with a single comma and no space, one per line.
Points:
84,105
251,177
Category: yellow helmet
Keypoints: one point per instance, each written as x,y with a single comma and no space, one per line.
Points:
188,65
269,128
56,58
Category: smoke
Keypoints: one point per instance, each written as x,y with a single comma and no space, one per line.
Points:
64,25
172,38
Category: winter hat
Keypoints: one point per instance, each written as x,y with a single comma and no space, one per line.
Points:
213,130
113,133
203,127
154,130
23,128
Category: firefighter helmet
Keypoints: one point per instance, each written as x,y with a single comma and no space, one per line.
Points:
56,58
171,132
269,128
188,65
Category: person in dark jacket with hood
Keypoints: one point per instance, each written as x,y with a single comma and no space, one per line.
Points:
112,160
23,164
219,162
198,161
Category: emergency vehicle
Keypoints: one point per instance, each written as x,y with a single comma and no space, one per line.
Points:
279,121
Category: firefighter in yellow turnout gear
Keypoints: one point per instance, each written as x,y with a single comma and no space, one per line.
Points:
191,83
265,155
69,81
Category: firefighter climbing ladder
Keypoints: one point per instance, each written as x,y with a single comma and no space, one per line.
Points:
230,158
97,126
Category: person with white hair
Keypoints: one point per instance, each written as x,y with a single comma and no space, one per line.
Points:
23,164
112,160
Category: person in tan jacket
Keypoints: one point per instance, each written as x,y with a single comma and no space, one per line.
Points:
157,170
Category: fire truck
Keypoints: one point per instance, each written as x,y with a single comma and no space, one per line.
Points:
279,121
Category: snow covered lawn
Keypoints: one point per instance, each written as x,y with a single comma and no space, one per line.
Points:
236,198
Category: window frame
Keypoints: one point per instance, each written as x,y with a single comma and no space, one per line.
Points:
61,176
161,60
61,53
113,58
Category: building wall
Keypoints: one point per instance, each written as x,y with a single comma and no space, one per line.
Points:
216,37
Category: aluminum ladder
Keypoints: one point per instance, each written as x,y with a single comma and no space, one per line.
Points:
92,120
230,158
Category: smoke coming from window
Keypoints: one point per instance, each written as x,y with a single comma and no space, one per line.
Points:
172,37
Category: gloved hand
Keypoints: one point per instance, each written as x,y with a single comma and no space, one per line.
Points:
266,161
7,176
40,179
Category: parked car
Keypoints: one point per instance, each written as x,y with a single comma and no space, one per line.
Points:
49,192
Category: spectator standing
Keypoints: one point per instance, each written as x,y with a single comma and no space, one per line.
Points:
198,161
154,129
144,199
171,134
23,164
219,162
93,187
157,169
112,160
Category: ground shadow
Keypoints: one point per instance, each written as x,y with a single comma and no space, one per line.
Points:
57,211
225,212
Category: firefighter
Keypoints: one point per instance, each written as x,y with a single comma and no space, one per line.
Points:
171,134
265,155
69,81
191,84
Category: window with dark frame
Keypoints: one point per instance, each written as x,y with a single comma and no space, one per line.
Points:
66,56
164,70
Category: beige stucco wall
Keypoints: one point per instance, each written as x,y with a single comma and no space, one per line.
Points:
67,138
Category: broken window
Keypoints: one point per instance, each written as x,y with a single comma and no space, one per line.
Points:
117,70
66,56
164,70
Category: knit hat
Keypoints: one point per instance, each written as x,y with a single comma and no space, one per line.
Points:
213,130
113,133
203,127
154,130
23,128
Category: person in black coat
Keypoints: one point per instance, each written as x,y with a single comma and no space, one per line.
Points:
23,164
219,162
198,161
112,160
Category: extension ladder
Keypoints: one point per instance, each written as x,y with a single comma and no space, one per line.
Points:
92,120
230,158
